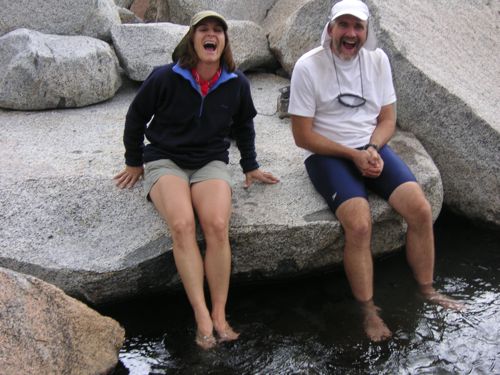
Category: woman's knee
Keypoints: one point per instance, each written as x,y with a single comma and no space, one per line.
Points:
216,227
182,227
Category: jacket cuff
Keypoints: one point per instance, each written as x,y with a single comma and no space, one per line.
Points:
249,165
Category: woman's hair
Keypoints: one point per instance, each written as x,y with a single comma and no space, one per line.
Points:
187,58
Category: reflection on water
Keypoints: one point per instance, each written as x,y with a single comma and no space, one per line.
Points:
312,326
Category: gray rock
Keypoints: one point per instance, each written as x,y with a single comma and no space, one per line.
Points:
41,71
63,17
281,12
63,220
249,45
127,16
181,11
141,47
45,332
294,28
447,73
151,10
124,3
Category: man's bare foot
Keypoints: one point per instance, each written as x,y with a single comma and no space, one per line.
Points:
433,296
226,333
374,326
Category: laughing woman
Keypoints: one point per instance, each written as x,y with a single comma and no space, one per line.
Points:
187,110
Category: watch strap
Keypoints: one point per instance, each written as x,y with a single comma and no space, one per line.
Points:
368,145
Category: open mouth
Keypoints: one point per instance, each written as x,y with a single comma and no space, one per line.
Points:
349,44
209,46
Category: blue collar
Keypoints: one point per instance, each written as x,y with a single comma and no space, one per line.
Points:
186,74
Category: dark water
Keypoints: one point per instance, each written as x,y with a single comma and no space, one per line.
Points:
312,326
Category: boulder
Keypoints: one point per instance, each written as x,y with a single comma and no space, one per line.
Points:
141,47
250,47
41,71
181,11
63,220
151,10
127,16
295,28
45,332
447,74
124,3
92,18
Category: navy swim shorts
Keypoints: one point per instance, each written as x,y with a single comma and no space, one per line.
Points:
338,179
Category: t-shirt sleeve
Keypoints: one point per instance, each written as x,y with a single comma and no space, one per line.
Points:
389,93
302,97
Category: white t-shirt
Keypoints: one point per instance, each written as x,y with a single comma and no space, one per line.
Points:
314,91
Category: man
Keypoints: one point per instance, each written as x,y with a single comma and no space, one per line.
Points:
342,103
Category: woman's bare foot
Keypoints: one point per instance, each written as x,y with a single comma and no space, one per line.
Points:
205,342
226,333
433,296
204,330
374,326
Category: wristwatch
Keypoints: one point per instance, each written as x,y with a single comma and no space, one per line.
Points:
368,145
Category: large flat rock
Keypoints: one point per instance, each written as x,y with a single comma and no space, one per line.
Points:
63,220
63,17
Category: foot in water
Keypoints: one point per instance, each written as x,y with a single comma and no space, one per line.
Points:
374,326
205,342
432,295
226,333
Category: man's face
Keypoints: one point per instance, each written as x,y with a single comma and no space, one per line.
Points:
348,35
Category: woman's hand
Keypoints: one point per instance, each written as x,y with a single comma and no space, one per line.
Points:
258,175
128,177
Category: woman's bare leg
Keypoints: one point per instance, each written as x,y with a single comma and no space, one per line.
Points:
171,196
212,202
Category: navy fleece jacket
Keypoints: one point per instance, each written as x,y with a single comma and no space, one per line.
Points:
182,125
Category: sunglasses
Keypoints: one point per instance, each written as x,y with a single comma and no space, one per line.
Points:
348,99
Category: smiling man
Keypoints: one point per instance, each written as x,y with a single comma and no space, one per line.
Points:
342,103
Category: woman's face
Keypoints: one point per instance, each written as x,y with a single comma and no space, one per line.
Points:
209,41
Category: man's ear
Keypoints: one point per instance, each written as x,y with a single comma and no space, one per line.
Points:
330,25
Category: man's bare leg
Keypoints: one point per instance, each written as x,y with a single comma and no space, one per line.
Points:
354,215
409,200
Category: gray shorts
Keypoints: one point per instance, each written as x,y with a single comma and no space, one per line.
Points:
153,170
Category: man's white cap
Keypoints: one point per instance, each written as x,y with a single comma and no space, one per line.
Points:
355,8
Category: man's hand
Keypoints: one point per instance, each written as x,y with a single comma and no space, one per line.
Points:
369,162
258,175
128,177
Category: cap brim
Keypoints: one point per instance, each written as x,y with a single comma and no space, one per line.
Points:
180,47
362,16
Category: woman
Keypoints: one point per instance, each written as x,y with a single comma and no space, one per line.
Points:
187,110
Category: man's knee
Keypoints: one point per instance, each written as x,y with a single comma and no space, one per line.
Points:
355,217
410,201
421,211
